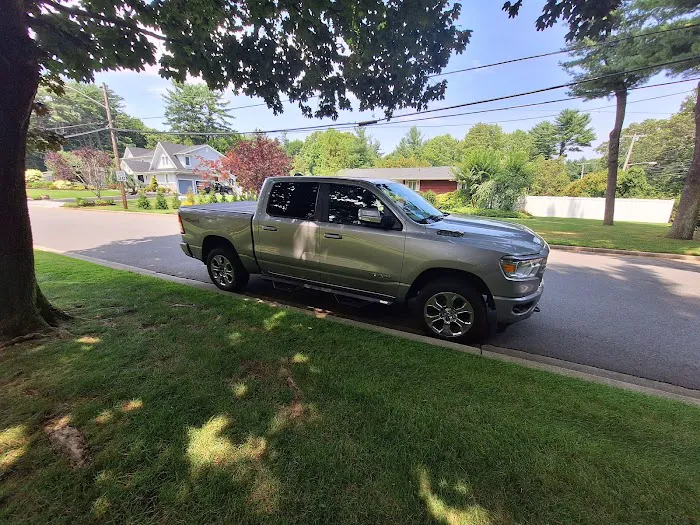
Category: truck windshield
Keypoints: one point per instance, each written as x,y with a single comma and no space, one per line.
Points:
415,206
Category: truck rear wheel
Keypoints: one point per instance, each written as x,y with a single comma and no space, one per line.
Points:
453,311
226,270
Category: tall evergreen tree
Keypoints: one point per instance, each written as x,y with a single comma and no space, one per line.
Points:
544,137
196,108
573,131
410,145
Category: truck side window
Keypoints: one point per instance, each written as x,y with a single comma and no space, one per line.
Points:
346,200
293,200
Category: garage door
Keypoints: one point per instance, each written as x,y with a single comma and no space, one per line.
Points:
183,186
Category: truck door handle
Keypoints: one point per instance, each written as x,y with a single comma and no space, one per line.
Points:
332,236
269,228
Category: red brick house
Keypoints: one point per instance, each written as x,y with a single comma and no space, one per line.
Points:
440,179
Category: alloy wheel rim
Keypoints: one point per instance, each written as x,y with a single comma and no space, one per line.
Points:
222,270
448,314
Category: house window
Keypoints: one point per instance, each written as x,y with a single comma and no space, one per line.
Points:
412,184
164,160
187,160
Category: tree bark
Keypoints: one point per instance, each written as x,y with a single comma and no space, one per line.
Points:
23,308
689,206
614,154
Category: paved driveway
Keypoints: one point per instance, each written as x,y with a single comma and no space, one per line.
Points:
635,315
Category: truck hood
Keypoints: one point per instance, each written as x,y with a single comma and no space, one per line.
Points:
507,237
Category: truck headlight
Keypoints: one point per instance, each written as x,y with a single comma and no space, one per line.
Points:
521,268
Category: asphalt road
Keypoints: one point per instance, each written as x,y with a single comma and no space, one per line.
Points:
635,315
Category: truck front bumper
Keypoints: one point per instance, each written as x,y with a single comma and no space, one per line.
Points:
513,309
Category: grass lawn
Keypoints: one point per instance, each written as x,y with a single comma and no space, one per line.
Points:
70,194
622,236
200,407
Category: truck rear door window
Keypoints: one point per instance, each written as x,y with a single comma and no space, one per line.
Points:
293,200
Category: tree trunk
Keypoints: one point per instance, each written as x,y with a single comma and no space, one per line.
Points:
23,308
689,207
613,156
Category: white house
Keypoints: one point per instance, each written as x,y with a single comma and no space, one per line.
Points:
172,164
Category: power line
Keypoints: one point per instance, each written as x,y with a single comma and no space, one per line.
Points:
562,51
380,121
504,62
76,125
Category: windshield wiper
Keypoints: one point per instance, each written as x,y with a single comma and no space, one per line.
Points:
436,218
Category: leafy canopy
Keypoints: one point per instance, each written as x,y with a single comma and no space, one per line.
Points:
382,52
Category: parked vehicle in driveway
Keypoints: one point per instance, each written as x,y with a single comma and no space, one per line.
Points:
375,240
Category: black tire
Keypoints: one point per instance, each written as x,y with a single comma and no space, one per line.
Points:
469,323
226,271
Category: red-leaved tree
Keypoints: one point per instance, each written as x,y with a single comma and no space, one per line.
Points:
252,161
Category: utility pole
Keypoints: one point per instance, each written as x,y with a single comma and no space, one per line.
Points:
583,164
113,134
635,138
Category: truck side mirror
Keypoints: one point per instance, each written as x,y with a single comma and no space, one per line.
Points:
369,216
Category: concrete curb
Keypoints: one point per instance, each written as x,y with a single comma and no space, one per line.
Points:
609,251
548,364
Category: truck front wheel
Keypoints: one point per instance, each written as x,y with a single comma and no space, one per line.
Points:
452,310
226,270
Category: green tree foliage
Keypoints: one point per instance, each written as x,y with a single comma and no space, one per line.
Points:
291,147
364,151
667,143
484,136
442,150
79,109
631,183
496,179
573,131
153,185
411,145
325,152
196,108
544,138
175,201
549,178
189,198
390,161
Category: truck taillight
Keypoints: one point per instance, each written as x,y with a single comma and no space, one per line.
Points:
182,227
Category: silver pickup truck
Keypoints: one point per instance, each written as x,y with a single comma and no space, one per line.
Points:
374,240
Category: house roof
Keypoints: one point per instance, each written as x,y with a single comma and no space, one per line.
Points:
142,159
137,165
429,173
140,152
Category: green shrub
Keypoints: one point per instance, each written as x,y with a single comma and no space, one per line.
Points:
104,202
82,203
161,203
175,201
501,214
189,198
453,199
67,185
630,184
142,203
153,186
44,185
430,196
213,199
33,176
201,198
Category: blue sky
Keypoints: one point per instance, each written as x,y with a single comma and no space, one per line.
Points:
495,38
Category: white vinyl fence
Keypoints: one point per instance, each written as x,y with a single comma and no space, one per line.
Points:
631,210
